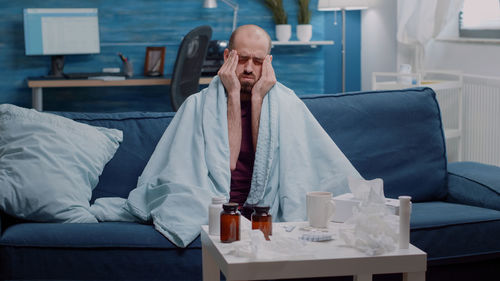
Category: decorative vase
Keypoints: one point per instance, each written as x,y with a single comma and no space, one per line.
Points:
283,32
304,32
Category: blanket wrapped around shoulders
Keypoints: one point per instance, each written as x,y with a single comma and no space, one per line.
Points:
190,165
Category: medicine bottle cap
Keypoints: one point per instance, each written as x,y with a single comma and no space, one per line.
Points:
230,206
261,209
218,200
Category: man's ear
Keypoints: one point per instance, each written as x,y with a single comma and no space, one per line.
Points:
226,54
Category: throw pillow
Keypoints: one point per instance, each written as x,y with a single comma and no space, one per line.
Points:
49,164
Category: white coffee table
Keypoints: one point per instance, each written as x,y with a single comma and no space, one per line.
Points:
329,258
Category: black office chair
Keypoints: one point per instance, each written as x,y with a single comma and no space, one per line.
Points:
187,68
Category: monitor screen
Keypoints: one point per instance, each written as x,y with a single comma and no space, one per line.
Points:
61,31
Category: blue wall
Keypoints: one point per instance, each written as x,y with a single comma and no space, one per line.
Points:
128,26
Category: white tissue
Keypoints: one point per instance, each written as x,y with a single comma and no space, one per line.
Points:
360,188
257,247
372,229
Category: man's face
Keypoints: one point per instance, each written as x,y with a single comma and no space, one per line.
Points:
252,50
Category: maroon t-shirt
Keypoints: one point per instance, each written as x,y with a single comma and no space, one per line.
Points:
241,177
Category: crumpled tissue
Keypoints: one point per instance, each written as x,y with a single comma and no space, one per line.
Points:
372,229
257,247
360,188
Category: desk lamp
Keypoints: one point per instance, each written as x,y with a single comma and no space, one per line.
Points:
213,4
342,5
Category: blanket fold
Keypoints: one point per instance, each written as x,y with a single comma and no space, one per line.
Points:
190,164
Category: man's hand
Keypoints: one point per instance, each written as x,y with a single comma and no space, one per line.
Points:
227,74
259,91
266,81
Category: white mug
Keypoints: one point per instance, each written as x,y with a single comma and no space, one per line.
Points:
320,208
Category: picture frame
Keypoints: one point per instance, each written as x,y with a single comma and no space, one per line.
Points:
155,61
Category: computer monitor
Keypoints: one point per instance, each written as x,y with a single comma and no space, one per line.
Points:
59,32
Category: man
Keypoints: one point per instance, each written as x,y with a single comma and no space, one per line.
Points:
247,76
246,137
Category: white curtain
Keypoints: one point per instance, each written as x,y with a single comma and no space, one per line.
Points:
419,21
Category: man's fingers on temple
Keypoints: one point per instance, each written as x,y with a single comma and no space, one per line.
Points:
234,63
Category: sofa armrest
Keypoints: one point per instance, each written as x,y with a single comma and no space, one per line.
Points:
474,184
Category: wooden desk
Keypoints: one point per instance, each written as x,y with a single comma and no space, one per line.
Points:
37,85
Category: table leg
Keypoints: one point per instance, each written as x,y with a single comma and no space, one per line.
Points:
362,277
211,271
414,276
37,99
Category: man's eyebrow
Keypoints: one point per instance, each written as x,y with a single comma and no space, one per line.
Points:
256,59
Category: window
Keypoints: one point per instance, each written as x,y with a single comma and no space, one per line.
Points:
480,19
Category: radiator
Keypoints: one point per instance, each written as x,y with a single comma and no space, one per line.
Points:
481,119
449,103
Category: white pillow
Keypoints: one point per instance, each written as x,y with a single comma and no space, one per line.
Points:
49,164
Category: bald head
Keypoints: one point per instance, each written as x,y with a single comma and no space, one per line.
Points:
252,32
250,45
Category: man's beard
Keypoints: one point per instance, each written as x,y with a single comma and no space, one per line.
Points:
246,88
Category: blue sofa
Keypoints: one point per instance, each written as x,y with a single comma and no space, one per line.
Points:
394,135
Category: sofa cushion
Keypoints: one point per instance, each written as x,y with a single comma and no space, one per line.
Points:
449,230
93,235
50,164
141,133
393,135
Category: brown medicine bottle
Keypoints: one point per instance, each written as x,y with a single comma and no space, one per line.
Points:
229,223
261,219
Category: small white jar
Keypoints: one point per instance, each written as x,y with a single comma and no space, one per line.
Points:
214,210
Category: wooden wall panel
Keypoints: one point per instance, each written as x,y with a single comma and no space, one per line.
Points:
128,26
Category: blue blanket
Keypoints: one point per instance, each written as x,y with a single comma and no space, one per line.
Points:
190,165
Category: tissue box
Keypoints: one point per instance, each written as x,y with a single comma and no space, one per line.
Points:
345,202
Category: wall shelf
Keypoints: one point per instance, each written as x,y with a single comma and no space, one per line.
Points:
313,44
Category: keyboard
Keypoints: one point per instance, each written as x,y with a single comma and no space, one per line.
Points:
86,75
